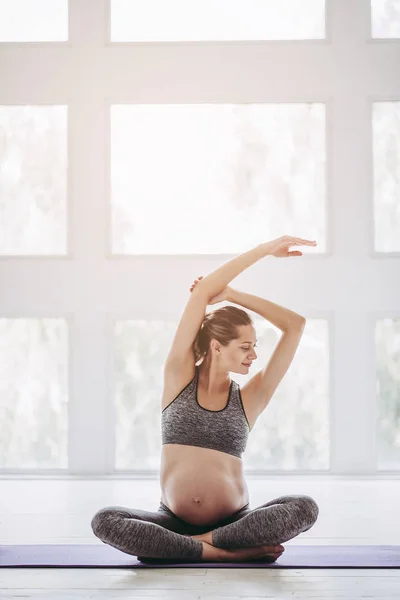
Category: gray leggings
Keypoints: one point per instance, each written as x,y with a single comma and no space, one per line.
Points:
163,535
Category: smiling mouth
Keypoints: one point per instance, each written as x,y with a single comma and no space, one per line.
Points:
246,365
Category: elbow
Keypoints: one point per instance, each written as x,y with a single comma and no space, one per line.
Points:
297,322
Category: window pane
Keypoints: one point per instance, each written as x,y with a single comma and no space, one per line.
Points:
33,20
206,20
385,18
34,394
387,341
207,170
140,350
292,432
386,169
33,180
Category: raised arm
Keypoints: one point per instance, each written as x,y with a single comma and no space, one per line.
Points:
213,283
216,282
281,317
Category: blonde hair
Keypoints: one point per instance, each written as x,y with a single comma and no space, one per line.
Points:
222,325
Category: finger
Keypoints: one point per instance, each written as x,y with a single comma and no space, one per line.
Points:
306,241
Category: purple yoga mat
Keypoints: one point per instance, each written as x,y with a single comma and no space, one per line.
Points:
105,556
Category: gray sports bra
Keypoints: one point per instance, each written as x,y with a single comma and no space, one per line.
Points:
185,421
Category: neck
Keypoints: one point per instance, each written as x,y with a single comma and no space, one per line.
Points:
213,381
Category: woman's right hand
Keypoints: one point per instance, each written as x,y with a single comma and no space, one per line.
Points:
195,282
280,246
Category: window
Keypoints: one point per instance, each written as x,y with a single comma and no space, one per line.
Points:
33,180
385,18
216,20
252,167
148,150
387,340
33,20
386,175
34,393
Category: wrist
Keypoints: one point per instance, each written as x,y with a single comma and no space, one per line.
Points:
266,248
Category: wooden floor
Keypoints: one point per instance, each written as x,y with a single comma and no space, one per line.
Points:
60,511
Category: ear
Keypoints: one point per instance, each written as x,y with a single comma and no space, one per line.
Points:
215,345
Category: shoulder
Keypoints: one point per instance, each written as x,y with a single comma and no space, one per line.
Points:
175,383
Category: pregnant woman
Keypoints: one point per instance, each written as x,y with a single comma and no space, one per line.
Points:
204,512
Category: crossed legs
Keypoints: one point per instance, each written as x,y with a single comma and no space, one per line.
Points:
162,534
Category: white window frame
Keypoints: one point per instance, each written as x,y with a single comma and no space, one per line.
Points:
350,285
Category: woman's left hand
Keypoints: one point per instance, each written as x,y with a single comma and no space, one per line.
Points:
280,246
218,298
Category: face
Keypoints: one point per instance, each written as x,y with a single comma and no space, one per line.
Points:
245,347
239,351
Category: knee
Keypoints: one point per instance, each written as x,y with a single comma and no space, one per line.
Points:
100,518
309,508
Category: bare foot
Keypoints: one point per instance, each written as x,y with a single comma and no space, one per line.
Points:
267,553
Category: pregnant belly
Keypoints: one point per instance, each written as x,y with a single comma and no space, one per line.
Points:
203,496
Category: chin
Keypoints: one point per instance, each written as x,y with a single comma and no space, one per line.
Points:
239,369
